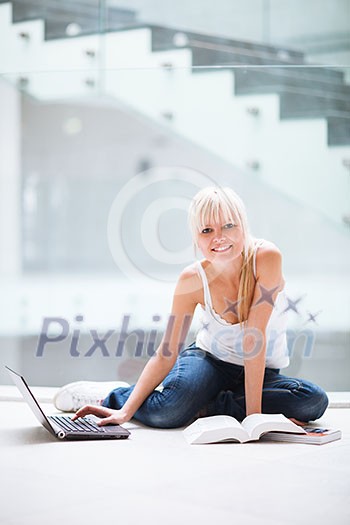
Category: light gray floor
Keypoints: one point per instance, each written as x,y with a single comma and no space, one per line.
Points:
156,477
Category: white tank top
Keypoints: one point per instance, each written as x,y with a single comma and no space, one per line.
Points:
224,340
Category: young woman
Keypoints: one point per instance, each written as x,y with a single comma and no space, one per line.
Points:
233,366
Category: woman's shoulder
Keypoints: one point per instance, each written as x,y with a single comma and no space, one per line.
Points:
190,271
189,280
268,255
265,247
268,260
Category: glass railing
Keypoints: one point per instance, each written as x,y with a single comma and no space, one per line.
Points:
95,207
101,152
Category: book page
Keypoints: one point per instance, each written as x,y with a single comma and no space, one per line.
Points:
258,424
214,429
215,422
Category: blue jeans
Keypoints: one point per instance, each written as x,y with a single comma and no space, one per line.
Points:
200,382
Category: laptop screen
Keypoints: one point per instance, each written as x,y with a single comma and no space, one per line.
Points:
20,382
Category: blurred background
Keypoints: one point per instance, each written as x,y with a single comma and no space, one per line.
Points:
113,114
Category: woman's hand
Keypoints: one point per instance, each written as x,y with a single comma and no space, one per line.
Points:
108,415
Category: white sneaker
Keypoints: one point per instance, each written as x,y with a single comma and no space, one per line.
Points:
73,396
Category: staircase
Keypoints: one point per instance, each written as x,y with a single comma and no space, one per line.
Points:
261,108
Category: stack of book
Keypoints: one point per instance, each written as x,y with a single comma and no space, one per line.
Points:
263,427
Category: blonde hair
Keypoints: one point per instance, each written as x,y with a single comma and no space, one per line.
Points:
206,207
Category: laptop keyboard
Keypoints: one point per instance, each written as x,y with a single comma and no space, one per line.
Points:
80,425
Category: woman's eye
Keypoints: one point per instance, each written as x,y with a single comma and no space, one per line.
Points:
206,230
228,226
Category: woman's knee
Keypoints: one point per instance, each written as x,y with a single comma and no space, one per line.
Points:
164,417
313,402
118,397
171,408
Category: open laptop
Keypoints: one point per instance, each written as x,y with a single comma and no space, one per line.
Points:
63,427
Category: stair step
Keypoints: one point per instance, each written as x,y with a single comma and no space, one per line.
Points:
59,13
164,38
207,55
278,80
295,105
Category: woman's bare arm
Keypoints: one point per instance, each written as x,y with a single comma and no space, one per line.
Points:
269,276
184,303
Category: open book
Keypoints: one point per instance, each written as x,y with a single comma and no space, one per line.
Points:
215,429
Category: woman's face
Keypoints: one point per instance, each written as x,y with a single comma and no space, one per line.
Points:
221,242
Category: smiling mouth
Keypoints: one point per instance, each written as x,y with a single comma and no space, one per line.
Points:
222,249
